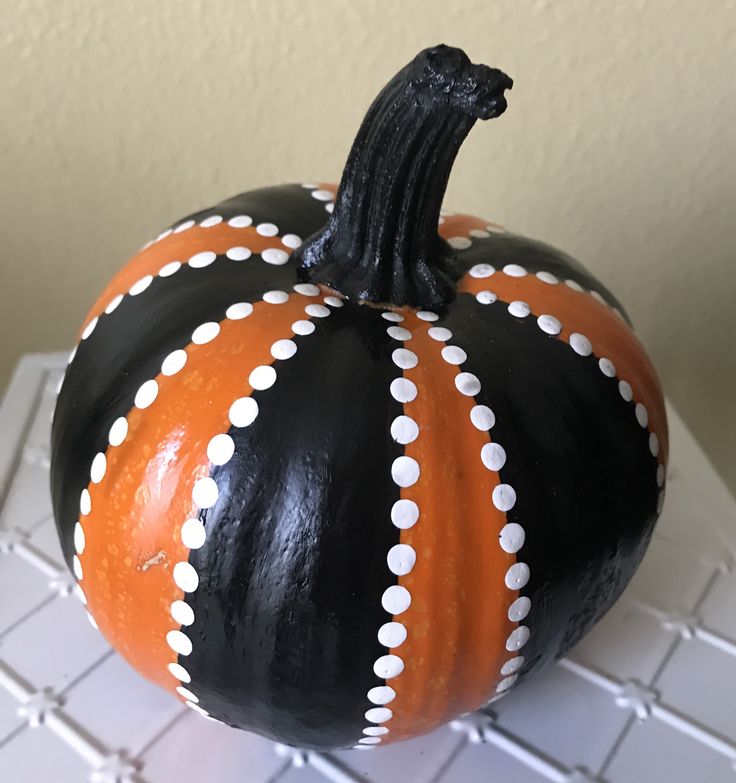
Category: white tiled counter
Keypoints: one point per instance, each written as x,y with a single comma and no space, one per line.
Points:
649,695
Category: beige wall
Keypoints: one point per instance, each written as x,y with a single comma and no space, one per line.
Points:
619,146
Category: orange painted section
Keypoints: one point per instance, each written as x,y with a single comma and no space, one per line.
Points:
181,247
461,225
457,623
133,530
608,333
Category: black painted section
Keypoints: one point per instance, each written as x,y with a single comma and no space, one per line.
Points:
578,460
535,256
125,349
292,574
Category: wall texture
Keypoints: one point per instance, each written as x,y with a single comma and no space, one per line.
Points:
619,146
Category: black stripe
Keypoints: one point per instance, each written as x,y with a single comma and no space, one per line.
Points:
578,460
292,574
290,207
125,349
501,249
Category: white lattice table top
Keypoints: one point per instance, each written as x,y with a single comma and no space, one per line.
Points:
650,694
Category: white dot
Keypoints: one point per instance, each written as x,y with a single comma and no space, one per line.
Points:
141,285
306,289
401,559
660,475
624,389
482,417
238,311
262,377
193,533
174,362
179,672
182,613
112,306
329,207
405,471
187,694
200,260
317,310
243,412
302,327
212,220
404,358
77,568
381,694
514,270
580,344
481,270
378,714
72,354
654,444
547,277
467,384
549,324
276,297
392,635
90,328
404,513
403,390
267,229
454,355
323,195
240,221
519,309
291,240
334,301
517,576
183,226
396,599
220,449
169,269
427,315
198,709
179,642
79,539
493,456
573,285
309,185
439,333
205,333
404,430
205,492
238,253
80,594
506,683
486,297
275,256
367,741
660,502
146,394
460,243
388,666
598,297
512,537
398,333
118,431
517,638
607,367
99,466
512,665
519,609
186,577
391,316
283,349
164,234
85,503
641,414
504,497
479,233
375,731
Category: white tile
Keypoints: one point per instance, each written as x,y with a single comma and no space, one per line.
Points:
9,718
22,587
718,611
308,774
564,716
198,749
417,760
45,538
39,756
29,497
124,708
652,751
55,645
487,764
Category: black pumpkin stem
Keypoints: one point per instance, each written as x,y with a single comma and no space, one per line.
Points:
381,242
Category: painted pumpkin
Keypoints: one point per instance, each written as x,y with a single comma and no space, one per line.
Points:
341,489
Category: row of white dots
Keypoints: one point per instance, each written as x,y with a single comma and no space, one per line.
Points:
321,194
220,450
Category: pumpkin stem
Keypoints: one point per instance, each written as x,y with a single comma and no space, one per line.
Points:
381,242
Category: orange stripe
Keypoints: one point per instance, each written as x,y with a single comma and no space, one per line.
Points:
133,531
609,335
457,623
180,247
461,225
